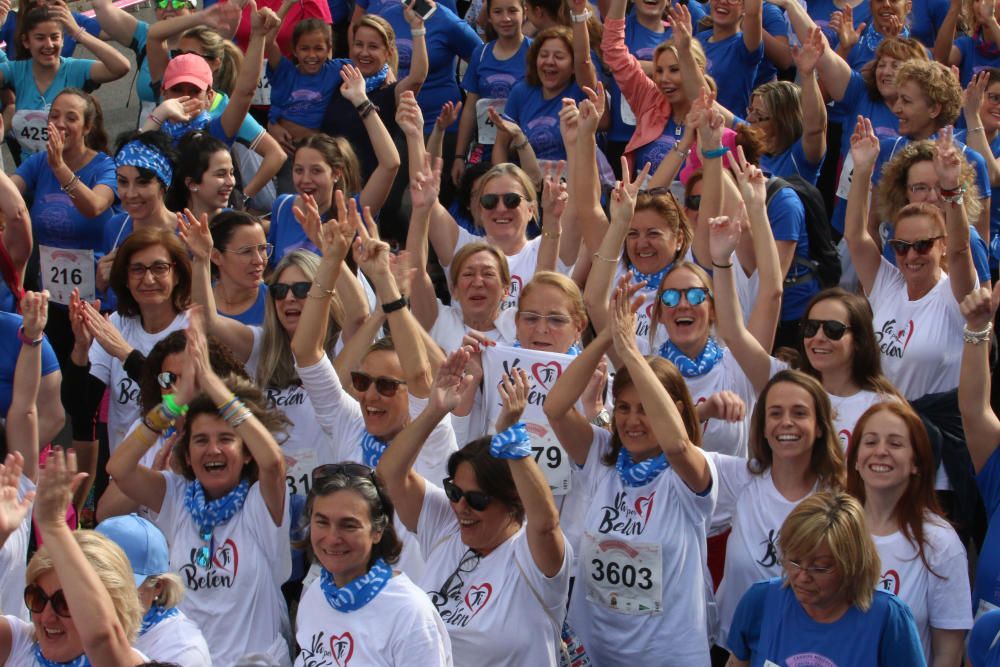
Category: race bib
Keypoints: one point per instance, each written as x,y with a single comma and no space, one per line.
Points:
262,96
628,116
63,269
31,127
624,576
550,457
846,174
487,130
298,473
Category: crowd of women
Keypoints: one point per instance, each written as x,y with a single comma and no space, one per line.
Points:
503,332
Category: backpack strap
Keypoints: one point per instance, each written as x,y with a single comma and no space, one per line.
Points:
774,185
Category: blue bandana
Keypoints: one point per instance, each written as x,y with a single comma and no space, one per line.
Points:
359,592
138,154
692,368
376,80
514,443
652,279
176,130
156,614
209,514
40,659
639,474
372,449
871,38
573,351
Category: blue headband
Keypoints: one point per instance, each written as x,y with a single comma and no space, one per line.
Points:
138,154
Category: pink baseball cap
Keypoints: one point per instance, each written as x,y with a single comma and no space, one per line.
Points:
188,68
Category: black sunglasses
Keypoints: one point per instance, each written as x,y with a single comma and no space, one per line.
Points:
692,202
832,329
511,200
477,499
922,246
280,290
174,53
166,379
383,385
35,599
328,470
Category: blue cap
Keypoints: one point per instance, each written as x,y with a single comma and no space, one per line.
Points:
142,542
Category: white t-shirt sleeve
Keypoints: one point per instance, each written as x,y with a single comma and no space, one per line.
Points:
732,476
100,363
173,502
436,521
948,593
432,463
273,540
337,412
551,590
255,348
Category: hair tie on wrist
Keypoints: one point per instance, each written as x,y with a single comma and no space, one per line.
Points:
514,443
714,153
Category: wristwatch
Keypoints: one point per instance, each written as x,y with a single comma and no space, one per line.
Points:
393,306
603,419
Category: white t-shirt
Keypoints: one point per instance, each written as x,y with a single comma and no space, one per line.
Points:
22,644
399,627
719,435
449,328
758,510
920,340
489,609
123,403
175,639
847,410
13,562
642,586
236,600
939,599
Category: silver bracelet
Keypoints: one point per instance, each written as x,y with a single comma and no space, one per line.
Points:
977,337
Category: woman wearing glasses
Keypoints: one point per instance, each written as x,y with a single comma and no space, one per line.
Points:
226,514
81,593
239,256
890,470
358,606
825,608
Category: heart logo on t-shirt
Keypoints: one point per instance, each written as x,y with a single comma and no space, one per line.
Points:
904,335
649,309
890,582
644,506
477,597
845,437
546,374
342,648
226,557
515,285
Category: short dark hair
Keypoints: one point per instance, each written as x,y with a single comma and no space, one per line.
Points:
159,142
492,474
140,240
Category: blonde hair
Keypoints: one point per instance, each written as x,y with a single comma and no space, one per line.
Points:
782,99
515,172
703,278
171,589
569,289
228,54
112,567
470,249
697,52
836,519
385,31
937,84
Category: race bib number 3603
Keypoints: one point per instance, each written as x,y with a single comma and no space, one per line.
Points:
623,576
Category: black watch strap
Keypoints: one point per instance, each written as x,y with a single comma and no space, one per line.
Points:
393,306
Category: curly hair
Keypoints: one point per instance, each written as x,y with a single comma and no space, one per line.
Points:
555,32
938,85
891,196
897,48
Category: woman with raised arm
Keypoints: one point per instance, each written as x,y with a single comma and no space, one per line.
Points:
982,435
643,551
226,517
977,49
890,470
734,47
498,565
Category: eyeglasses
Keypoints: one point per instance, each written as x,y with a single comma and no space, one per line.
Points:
922,246
174,4
385,386
695,296
452,587
35,599
158,269
813,571
166,380
328,470
832,329
922,189
280,290
692,202
477,500
511,200
554,321
248,252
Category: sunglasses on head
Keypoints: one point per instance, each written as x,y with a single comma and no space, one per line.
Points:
922,246
692,202
832,329
477,500
280,290
175,53
385,386
35,599
510,200
166,379
174,4
328,470
695,296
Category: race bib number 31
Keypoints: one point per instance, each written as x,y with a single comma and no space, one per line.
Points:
623,576
63,270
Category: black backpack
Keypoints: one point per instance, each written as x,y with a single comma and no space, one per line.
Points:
824,260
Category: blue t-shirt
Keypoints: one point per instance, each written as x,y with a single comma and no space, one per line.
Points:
656,150
984,641
7,31
733,67
254,315
379,6
249,130
55,221
771,625
285,232
775,23
792,162
490,78
9,352
447,36
641,42
925,17
857,102
994,190
143,80
987,581
302,98
973,60
787,216
539,117
864,51
820,10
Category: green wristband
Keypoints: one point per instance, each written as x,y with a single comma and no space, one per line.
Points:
171,408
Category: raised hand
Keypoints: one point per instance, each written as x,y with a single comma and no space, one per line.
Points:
750,179
54,148
624,195
680,19
179,109
195,233
105,333
569,122
847,34
12,511
513,390
426,184
35,310
554,195
622,323
723,235
864,145
592,108
412,18
77,317
947,160
450,382
402,269
222,16
979,307
409,117
450,112
262,20
973,98
353,88
370,251
57,481
505,125
724,405
807,56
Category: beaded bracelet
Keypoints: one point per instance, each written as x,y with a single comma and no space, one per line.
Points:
977,337
240,417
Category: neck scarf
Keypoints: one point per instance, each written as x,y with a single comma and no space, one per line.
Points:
871,38
41,660
652,279
639,474
359,592
156,614
692,368
207,514
986,47
175,130
372,449
377,80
